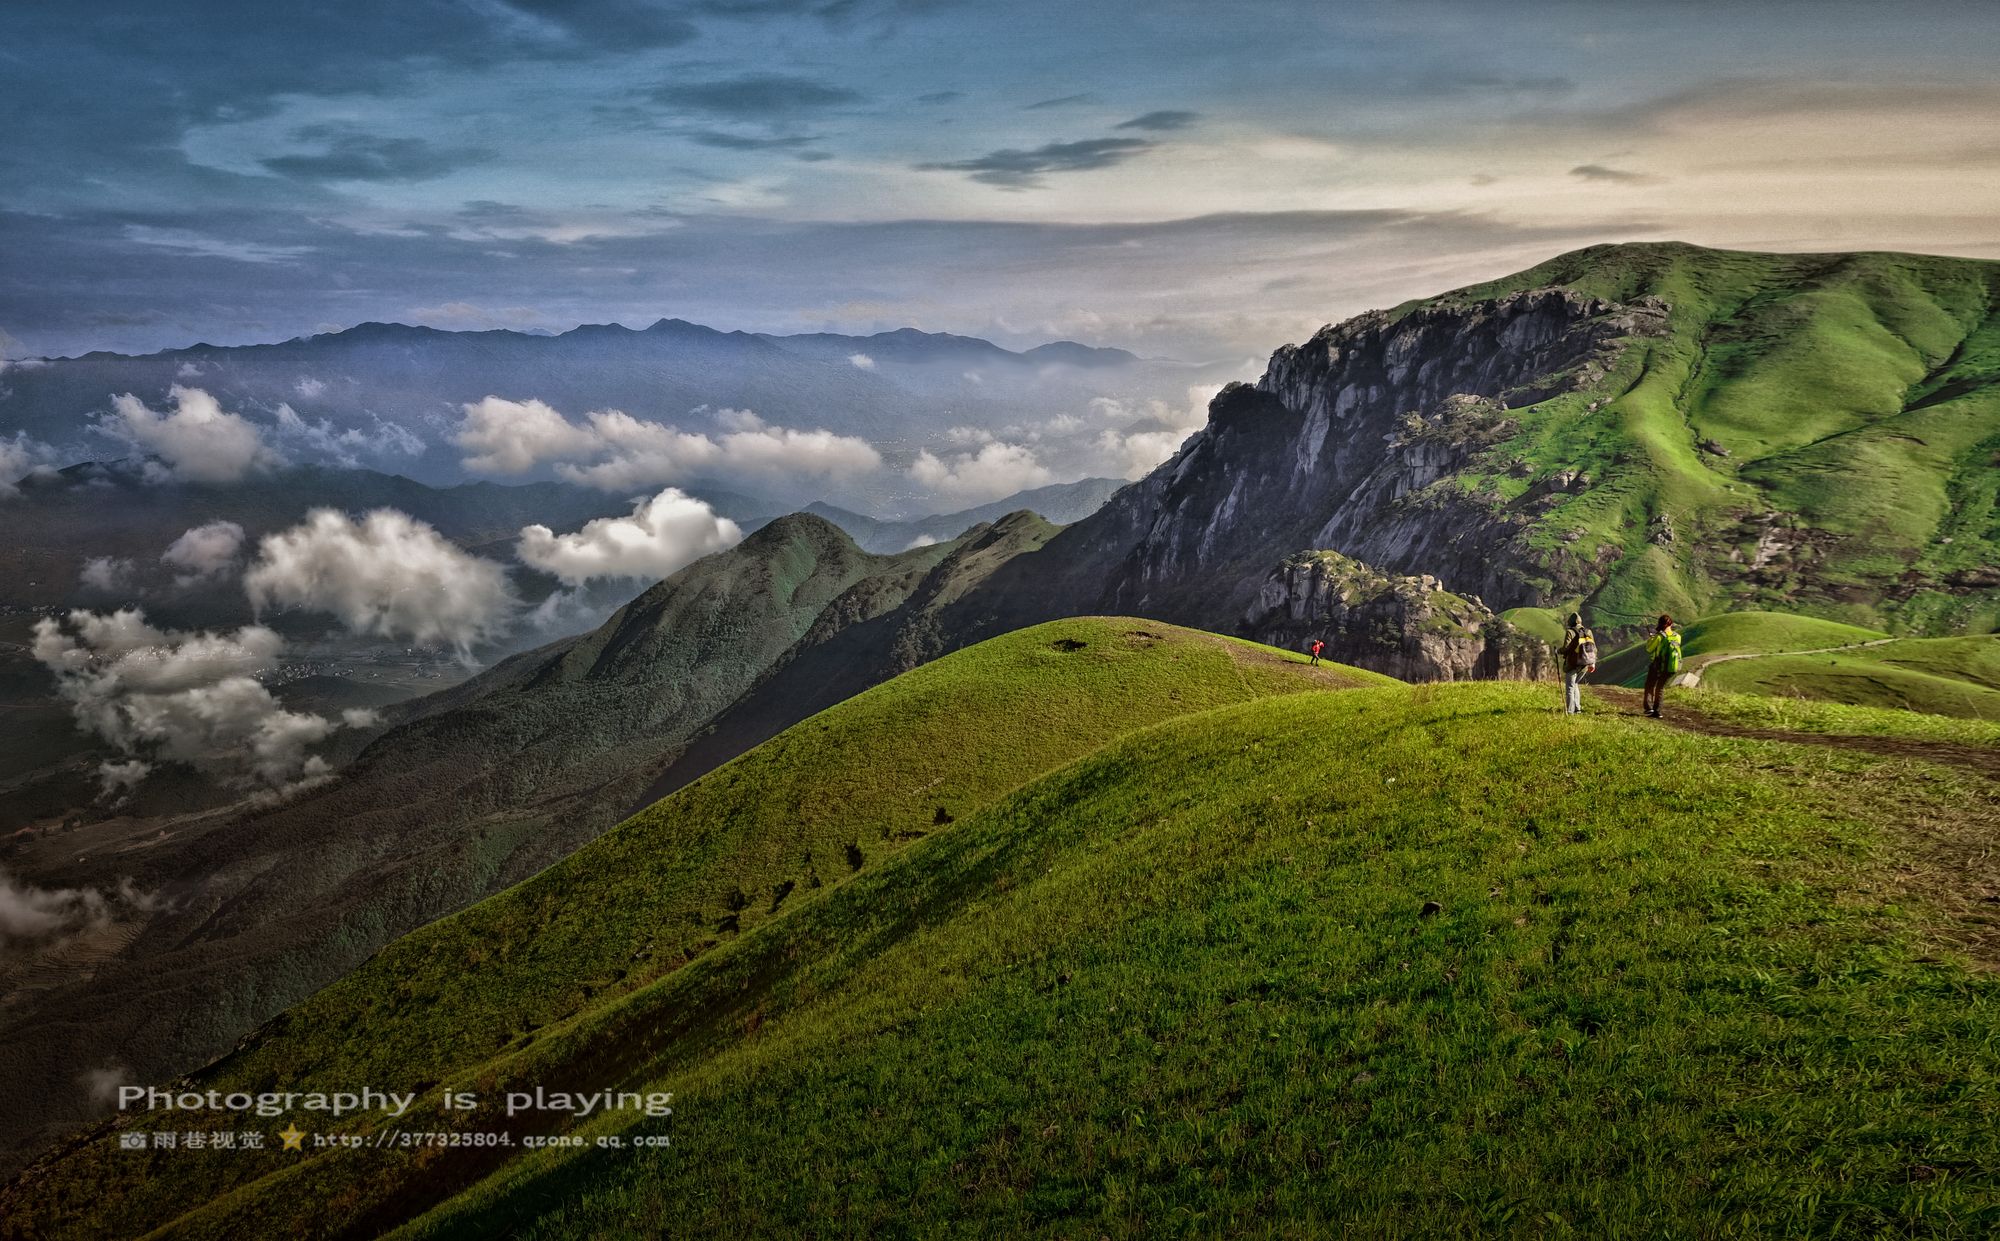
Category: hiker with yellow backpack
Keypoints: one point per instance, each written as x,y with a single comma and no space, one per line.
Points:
1663,660
1579,660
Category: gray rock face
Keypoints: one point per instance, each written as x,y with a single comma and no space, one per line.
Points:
1407,626
1341,445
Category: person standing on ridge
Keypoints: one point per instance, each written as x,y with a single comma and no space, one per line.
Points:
1579,660
1663,660
1316,648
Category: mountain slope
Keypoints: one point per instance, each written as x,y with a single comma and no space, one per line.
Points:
1384,933
1639,427
839,793
478,787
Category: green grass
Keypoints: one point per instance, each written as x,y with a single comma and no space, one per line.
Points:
1736,633
1126,1005
1941,676
1854,399
1803,715
1183,982
1543,623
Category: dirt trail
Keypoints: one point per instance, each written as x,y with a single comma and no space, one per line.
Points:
1692,677
1981,759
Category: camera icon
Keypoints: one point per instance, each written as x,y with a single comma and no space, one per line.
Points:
132,1141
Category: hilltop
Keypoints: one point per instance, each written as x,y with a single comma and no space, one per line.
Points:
1137,961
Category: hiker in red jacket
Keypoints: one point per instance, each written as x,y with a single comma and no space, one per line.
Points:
1316,646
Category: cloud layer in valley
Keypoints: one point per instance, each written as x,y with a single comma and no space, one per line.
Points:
163,696
614,451
387,575
663,535
197,441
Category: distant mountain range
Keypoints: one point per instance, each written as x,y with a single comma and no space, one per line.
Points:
388,396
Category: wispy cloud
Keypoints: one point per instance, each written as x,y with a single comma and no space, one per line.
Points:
1016,169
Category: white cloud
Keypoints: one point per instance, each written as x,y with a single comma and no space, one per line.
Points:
188,370
118,778
614,451
861,361
361,717
107,574
662,535
513,437
205,551
20,457
997,469
345,448
922,540
31,916
159,695
387,574
199,441
1146,434
308,387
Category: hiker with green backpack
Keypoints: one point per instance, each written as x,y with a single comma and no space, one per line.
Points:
1579,660
1663,660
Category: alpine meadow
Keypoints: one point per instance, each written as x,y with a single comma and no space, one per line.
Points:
667,618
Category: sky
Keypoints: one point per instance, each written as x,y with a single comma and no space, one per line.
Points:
1193,180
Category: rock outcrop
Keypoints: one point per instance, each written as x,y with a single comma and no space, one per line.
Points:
1355,440
1407,626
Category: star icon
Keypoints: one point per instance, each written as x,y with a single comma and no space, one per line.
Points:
292,1136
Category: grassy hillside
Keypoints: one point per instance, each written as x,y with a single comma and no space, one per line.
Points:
1944,676
1803,658
1736,633
1474,965
1813,431
827,799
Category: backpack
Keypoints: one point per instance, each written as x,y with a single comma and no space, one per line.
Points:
1579,649
1665,648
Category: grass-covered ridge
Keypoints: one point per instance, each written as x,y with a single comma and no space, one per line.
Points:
1803,658
833,796
1816,432
1470,964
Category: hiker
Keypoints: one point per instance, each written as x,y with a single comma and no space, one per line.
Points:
1663,654
1579,660
1316,647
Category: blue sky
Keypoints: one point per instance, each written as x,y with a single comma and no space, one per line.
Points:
1192,180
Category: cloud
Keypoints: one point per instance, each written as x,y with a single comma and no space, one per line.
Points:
616,25
387,574
20,457
1018,169
750,142
194,698
107,574
755,96
361,717
922,540
199,441
206,551
1146,433
1600,172
513,437
33,917
997,469
861,361
308,387
348,155
661,536
201,245
1166,119
614,451
345,448
1060,101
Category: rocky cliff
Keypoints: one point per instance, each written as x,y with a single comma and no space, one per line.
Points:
1355,440
1408,626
